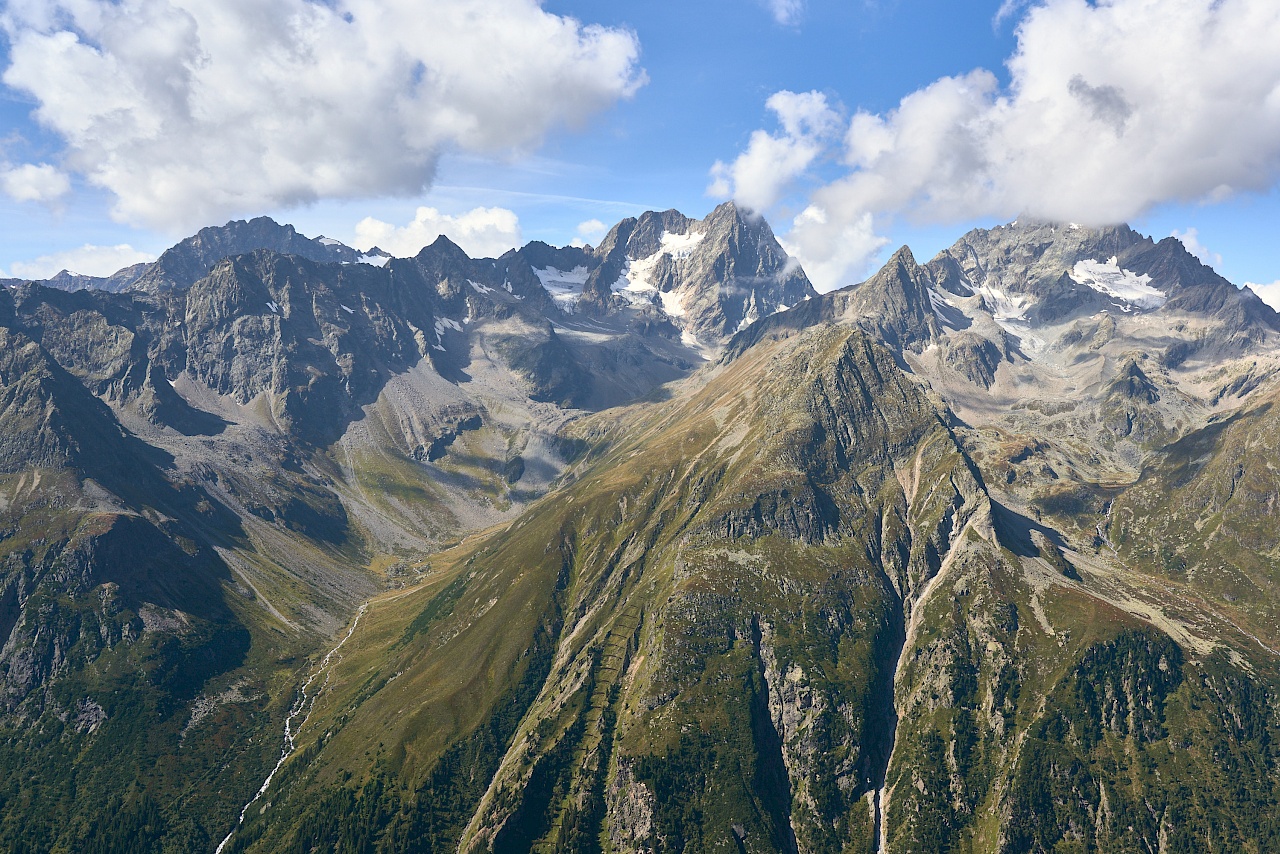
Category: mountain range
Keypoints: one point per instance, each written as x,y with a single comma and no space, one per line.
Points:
647,546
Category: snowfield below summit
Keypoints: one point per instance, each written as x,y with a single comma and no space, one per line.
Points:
1112,280
636,282
564,286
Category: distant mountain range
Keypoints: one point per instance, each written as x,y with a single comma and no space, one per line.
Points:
640,547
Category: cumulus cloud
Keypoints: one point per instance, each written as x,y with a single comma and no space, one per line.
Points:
843,246
759,176
87,260
589,232
1113,107
1191,240
33,182
190,111
1270,294
786,12
592,228
482,232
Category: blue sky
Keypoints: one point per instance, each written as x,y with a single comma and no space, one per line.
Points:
632,110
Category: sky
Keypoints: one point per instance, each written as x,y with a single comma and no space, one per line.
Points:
854,127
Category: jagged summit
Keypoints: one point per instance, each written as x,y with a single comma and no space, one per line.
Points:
662,272
710,277
191,259
1044,273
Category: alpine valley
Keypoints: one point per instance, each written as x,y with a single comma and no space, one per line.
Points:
645,546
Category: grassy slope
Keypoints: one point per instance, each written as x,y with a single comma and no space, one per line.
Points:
145,686
751,528
691,647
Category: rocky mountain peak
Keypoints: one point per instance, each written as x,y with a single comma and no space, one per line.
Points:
709,278
1030,257
191,259
896,302
910,532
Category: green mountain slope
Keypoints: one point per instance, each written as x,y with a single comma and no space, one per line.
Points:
975,556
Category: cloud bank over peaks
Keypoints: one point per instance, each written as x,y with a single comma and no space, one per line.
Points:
191,111
759,176
1112,108
87,260
482,232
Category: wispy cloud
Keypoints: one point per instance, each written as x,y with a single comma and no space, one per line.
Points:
1007,10
1191,239
787,13
589,232
33,182
759,176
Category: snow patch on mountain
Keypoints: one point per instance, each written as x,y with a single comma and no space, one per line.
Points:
1005,306
565,286
1110,279
673,304
680,245
636,284
375,260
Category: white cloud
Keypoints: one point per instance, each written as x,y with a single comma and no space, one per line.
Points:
589,232
1113,107
786,12
828,250
763,173
482,232
1270,294
1007,10
190,111
1191,240
592,228
87,260
34,183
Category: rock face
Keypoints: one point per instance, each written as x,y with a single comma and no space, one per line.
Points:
193,259
710,278
671,611
976,555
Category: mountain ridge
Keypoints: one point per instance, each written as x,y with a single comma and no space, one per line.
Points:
655,548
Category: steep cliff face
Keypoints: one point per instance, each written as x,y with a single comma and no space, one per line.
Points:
116,612
193,258
782,611
200,479
709,278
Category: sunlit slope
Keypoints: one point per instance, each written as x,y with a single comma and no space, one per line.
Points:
140,684
777,611
765,523
1203,516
